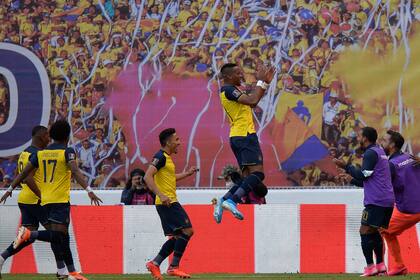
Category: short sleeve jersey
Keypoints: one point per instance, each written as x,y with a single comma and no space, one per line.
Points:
26,196
240,115
165,178
52,163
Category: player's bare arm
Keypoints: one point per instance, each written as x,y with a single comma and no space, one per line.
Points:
150,182
78,176
32,185
187,173
26,171
264,74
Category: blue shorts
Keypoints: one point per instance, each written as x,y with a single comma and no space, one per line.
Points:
58,213
33,214
173,218
376,216
247,150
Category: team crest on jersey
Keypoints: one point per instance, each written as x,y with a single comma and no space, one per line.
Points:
236,93
155,161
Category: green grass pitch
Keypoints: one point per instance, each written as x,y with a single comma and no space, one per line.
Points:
211,277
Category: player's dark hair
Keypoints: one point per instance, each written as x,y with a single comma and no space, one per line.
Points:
396,138
165,134
60,130
38,129
370,133
227,68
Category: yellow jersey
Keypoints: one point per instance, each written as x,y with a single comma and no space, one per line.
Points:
165,178
26,195
55,173
240,115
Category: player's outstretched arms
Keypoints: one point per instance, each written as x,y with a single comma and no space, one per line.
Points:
78,176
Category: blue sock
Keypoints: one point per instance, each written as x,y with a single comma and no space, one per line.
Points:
247,185
231,192
43,235
10,251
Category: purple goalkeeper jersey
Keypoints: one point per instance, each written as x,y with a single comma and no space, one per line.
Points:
377,187
406,182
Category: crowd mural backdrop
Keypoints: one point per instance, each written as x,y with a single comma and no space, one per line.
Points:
120,71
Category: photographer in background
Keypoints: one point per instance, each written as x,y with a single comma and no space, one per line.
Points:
136,191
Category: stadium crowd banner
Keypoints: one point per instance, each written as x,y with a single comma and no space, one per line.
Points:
120,72
282,238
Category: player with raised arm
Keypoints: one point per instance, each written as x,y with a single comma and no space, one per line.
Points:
56,165
375,178
243,138
161,179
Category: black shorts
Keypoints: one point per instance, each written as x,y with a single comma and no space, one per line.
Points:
173,218
247,150
32,214
58,213
376,216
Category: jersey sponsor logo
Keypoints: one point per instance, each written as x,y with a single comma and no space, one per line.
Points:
405,162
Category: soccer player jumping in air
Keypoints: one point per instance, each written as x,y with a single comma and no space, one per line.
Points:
161,179
243,138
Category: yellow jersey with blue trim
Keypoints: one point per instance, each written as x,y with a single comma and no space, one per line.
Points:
165,178
52,164
240,115
26,195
